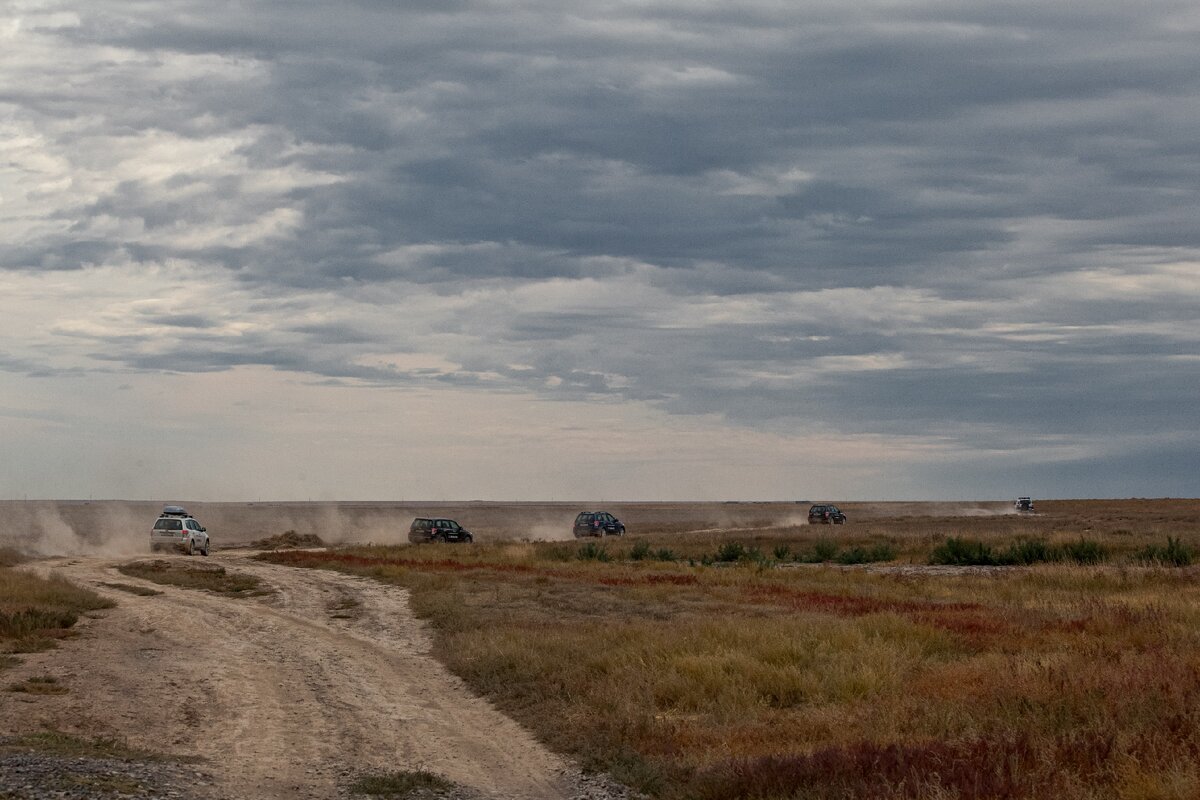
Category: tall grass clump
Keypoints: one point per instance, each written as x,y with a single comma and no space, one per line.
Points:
962,553
972,552
593,552
824,550
36,610
1174,554
866,555
1084,551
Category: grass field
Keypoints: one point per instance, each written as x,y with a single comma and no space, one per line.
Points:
761,676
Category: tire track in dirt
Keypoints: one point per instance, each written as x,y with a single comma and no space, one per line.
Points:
283,699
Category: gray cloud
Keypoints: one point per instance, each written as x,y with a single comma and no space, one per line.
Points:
970,223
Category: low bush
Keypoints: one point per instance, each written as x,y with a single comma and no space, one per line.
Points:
593,552
1084,551
730,552
824,550
866,555
971,552
640,551
1174,554
1029,551
962,553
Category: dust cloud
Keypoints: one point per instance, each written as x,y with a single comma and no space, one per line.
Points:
48,529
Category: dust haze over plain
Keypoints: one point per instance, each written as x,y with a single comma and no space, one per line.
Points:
550,250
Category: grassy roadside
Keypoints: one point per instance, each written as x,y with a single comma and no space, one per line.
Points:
739,681
36,611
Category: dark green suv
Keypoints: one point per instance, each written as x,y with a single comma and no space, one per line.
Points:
425,529
597,523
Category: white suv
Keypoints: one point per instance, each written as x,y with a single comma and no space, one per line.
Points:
175,529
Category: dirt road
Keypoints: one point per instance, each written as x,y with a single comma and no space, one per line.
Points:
292,695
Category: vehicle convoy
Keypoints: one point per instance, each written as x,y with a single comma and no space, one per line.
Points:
176,529
426,529
1024,505
597,523
824,514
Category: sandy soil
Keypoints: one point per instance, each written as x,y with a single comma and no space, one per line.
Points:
283,698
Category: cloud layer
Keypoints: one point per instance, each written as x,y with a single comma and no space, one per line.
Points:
969,229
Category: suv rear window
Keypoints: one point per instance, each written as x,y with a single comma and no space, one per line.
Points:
168,525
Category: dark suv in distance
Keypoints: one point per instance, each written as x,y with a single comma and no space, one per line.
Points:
424,529
822,514
597,523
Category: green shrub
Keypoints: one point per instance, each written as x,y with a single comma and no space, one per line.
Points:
1085,551
782,552
640,551
962,552
593,552
1029,551
664,554
826,549
731,551
1175,554
866,555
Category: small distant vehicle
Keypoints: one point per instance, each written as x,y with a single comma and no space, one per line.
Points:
429,529
597,523
177,530
1024,505
825,514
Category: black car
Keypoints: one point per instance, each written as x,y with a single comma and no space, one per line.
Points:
597,523
425,529
822,514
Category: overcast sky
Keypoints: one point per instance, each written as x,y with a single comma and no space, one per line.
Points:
630,249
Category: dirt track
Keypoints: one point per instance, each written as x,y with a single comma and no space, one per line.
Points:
283,698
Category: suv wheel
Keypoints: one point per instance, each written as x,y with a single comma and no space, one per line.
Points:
204,551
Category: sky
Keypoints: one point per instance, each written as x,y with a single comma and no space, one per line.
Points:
614,249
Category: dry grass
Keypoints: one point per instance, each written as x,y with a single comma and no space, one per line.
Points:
188,576
44,684
288,540
408,784
34,611
739,680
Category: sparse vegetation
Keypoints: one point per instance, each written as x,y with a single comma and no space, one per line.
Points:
593,552
401,784
1024,552
1174,554
712,675
44,684
35,611
208,578
289,540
